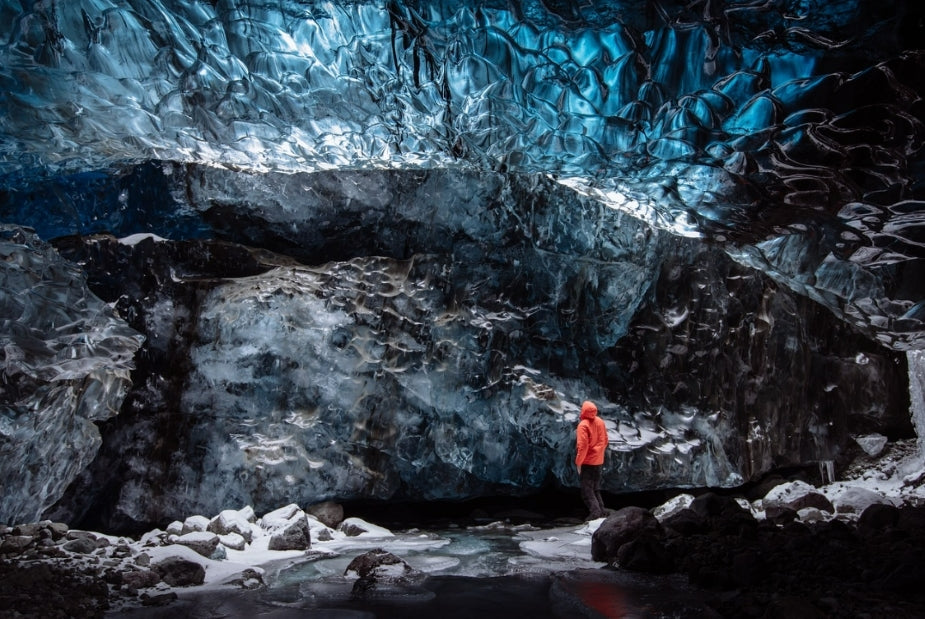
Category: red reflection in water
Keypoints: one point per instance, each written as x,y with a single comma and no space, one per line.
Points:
604,598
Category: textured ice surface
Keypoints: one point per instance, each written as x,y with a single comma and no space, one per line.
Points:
457,371
65,360
791,132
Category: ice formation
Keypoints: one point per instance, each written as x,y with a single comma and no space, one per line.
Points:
424,217
66,364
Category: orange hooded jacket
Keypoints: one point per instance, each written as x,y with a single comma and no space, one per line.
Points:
591,437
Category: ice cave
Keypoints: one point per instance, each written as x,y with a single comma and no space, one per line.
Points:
260,253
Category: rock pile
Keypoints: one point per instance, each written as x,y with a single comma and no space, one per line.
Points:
50,570
793,554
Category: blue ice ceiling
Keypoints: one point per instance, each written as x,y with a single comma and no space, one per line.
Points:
788,131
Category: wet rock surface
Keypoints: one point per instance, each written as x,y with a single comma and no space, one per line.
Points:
757,568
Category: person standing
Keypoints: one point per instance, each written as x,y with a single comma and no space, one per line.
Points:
591,444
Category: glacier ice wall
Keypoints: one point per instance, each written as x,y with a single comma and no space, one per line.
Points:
66,362
455,367
575,176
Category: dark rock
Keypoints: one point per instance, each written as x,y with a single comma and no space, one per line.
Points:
812,499
293,536
377,569
911,520
329,513
30,529
140,579
352,530
158,599
378,561
780,514
623,526
178,572
203,543
15,544
121,551
906,578
112,576
791,607
747,567
723,513
249,579
686,522
711,505
51,591
83,545
324,535
876,518
58,530
645,553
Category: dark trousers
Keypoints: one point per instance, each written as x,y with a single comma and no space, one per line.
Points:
591,489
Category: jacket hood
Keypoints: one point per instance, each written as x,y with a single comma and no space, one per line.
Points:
588,410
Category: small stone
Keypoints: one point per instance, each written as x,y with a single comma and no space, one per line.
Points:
121,551
15,544
30,529
158,599
324,535
179,572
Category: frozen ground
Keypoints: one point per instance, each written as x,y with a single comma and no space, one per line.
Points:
512,567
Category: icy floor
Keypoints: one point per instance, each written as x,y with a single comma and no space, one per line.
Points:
500,565
491,571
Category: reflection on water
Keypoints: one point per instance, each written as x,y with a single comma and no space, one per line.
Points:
483,573
542,574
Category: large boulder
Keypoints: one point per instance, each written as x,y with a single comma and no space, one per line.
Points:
233,521
331,514
288,527
202,542
722,513
854,500
379,569
797,495
621,527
